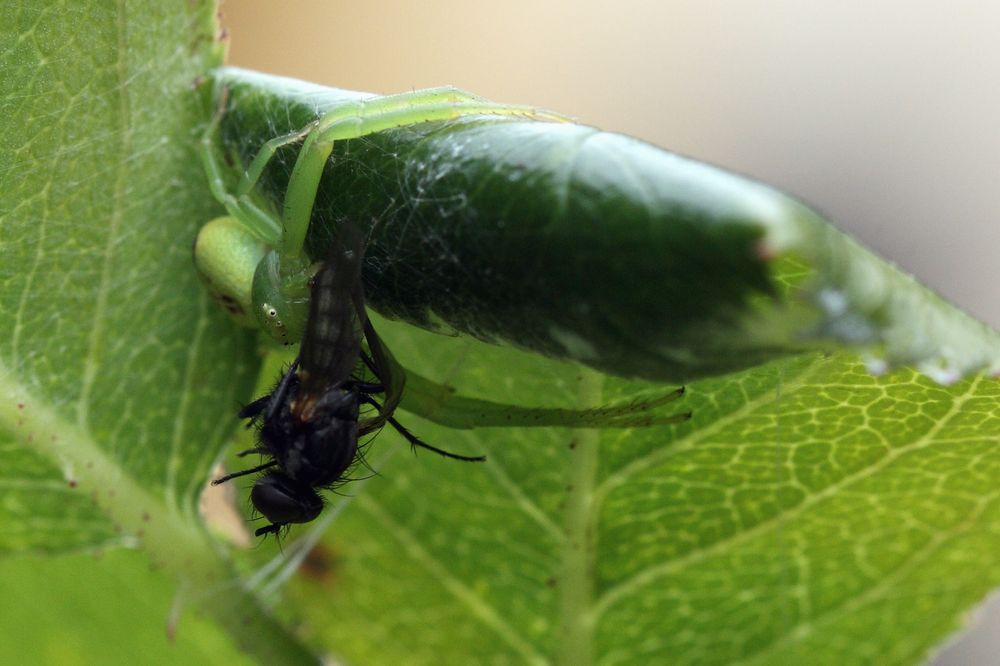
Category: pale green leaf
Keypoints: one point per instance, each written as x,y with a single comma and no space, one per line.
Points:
115,369
808,513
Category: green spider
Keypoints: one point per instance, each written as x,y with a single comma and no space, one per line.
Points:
253,261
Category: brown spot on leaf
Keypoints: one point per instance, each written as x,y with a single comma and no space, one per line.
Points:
320,564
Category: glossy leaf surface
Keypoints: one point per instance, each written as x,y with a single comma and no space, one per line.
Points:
596,247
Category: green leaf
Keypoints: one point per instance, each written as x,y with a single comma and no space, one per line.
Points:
115,369
106,609
806,501
808,513
597,247
804,504
105,336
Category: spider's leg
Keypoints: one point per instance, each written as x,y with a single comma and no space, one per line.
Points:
260,222
264,155
380,360
366,117
389,102
440,404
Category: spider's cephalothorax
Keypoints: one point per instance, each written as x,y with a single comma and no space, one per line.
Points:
309,424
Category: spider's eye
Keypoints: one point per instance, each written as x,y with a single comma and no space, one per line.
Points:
281,299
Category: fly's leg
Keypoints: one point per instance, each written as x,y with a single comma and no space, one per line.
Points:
254,409
244,472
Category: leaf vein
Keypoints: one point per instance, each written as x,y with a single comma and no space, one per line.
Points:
92,361
659,455
516,492
175,458
484,612
645,577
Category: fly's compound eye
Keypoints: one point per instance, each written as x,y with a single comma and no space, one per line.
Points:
281,500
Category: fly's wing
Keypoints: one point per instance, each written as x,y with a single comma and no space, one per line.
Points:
331,345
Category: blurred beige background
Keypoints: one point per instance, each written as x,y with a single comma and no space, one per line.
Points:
885,114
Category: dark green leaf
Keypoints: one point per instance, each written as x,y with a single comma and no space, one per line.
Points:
597,247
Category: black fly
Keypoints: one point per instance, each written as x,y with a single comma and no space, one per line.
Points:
310,423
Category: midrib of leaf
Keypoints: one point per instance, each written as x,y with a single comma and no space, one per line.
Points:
173,538
69,445
576,584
